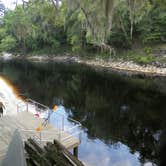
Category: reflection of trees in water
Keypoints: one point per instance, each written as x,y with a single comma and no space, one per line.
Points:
112,108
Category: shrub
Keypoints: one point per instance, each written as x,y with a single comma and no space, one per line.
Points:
144,59
8,43
2,33
148,50
118,39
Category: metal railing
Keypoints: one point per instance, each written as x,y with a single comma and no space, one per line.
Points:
38,106
21,106
42,136
67,128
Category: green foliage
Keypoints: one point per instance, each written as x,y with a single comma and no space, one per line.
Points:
79,25
144,59
32,43
152,27
8,43
119,35
35,26
2,33
118,39
148,50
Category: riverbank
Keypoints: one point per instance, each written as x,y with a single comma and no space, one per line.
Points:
119,65
116,65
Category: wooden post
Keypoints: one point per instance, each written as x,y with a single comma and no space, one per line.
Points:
75,152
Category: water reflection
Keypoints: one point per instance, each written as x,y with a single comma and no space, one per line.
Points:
124,116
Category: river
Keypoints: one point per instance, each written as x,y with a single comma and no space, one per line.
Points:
123,116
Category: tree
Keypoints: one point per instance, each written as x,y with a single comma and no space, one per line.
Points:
18,24
137,10
99,25
98,17
8,43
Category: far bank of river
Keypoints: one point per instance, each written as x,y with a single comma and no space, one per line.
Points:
115,65
118,65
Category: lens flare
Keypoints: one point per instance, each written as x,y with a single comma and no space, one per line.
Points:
9,96
12,101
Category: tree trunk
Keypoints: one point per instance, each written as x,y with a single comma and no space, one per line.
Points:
131,4
131,30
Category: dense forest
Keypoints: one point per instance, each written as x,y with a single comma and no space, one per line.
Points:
105,26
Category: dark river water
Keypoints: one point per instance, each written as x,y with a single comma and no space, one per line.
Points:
124,117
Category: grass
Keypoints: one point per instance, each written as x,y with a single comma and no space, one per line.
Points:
140,57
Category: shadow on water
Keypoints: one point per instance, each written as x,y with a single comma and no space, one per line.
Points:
112,107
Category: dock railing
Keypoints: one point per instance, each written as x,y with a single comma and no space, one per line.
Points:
67,128
42,136
21,106
38,106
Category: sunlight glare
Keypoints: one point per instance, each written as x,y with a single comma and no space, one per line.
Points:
8,95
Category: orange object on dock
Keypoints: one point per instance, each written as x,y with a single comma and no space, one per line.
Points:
39,128
55,107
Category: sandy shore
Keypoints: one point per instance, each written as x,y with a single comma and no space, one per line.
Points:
123,66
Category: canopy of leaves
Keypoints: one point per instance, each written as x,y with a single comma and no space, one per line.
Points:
78,24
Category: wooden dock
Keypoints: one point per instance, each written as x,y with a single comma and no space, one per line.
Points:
27,124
